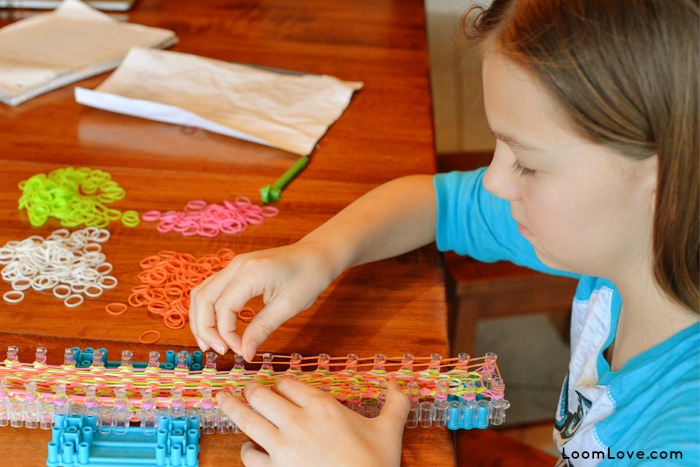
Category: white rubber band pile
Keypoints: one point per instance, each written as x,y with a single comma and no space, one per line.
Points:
70,265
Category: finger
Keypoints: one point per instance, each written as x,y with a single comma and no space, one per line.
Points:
203,324
273,406
252,457
194,296
234,296
297,392
203,346
252,424
226,327
269,318
397,405
202,311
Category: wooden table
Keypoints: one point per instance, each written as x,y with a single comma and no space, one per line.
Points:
391,307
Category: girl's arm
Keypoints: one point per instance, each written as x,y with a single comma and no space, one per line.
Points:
392,219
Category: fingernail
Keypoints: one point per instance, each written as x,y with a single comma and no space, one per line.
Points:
221,396
250,352
202,345
218,348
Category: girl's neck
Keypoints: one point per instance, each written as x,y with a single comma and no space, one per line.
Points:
648,317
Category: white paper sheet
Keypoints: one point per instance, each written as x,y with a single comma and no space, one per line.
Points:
287,111
49,50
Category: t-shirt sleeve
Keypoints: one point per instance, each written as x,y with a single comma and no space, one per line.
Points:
473,222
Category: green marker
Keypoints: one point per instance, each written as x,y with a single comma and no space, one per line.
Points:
273,192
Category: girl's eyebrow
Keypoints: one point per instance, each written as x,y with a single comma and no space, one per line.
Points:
511,141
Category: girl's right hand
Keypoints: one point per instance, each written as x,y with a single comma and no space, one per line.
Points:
289,278
394,218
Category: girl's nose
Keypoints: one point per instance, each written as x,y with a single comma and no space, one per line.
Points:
500,179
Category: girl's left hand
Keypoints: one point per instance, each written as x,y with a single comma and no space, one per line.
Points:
298,425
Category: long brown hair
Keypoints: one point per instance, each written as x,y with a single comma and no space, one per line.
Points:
626,73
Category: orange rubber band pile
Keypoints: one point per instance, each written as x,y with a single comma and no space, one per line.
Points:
167,279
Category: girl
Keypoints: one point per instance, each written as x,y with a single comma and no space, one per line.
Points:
594,105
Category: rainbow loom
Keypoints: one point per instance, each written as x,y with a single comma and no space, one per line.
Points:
111,396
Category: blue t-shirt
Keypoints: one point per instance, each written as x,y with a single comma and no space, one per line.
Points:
646,412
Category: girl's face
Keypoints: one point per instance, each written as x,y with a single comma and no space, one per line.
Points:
583,207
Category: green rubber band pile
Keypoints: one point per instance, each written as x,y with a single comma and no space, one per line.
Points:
76,197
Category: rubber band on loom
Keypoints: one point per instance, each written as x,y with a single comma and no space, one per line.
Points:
431,379
246,314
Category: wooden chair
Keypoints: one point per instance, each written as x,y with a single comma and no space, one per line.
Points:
477,291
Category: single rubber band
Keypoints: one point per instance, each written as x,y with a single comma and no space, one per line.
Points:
174,320
150,261
116,309
151,216
164,227
269,211
153,340
93,291
246,314
13,296
61,291
137,299
181,305
72,301
158,307
195,205
104,268
107,282
174,290
22,283
154,293
130,218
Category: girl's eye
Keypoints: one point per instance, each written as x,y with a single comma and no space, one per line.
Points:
520,170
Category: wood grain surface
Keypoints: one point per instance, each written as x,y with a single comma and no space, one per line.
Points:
391,307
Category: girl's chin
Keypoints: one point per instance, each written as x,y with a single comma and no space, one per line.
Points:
524,231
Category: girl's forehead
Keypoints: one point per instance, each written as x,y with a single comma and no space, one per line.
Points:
516,102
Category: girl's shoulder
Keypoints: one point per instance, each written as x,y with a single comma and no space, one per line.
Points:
657,399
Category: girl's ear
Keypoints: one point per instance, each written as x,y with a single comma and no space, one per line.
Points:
651,175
